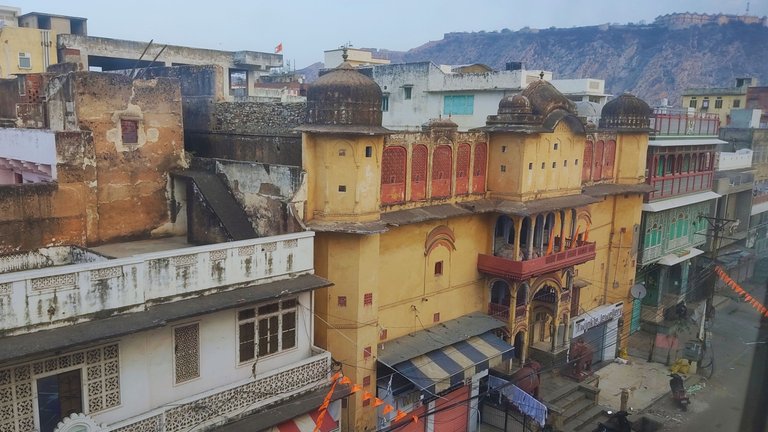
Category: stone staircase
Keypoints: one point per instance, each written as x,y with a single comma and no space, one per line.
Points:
573,406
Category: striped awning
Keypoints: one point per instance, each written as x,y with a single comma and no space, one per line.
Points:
443,368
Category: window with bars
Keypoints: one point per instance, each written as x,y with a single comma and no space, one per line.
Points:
458,104
186,352
129,130
266,329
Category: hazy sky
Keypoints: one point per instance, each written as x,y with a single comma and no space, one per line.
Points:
308,27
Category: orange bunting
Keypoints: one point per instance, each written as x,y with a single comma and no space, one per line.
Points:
742,293
415,419
345,380
319,421
387,409
356,388
377,402
324,406
367,396
400,415
336,376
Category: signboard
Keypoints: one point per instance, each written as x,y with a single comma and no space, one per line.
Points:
595,317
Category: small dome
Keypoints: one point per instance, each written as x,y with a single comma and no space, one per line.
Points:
626,112
545,98
344,97
515,104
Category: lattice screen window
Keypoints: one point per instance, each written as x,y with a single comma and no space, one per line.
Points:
102,379
186,341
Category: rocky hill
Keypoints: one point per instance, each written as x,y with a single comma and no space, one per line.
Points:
652,61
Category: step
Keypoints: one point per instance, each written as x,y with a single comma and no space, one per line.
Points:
587,420
577,408
568,400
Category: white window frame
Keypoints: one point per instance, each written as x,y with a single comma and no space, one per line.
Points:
26,56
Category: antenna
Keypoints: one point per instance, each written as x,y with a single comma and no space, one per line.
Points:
747,8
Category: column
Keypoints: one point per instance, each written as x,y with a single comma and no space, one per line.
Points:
553,329
562,230
518,228
531,235
514,286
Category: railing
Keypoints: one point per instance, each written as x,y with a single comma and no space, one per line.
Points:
521,270
520,312
680,184
741,159
499,311
236,400
666,121
72,291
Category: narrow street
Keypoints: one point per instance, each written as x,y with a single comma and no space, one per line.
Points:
718,404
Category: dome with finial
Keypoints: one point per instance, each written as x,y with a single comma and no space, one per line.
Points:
538,108
439,123
626,112
344,100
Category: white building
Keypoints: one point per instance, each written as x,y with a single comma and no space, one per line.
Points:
163,337
417,92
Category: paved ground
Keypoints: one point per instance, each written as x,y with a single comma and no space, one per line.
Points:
646,382
719,404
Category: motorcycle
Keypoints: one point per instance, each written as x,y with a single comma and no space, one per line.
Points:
617,422
679,393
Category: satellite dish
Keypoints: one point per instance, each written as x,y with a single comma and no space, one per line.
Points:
638,291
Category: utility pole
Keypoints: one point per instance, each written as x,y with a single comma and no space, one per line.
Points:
717,225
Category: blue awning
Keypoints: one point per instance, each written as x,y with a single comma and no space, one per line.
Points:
448,366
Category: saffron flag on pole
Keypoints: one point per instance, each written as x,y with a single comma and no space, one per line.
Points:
279,48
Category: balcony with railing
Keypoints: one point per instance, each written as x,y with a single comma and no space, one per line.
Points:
89,284
669,121
571,255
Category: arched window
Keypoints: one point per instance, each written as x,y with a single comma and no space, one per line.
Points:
462,169
597,171
660,166
419,173
610,159
586,169
478,169
393,167
442,162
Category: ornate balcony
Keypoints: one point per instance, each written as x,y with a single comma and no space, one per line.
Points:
522,270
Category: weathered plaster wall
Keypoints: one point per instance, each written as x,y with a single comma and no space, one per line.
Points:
131,178
272,196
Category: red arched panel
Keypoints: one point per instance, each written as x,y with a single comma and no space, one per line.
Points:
586,169
442,162
597,171
462,169
609,158
419,173
393,166
478,172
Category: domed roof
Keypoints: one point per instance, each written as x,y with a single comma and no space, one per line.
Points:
344,100
514,104
440,123
545,98
626,112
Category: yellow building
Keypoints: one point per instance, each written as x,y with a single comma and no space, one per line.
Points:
719,100
26,50
451,252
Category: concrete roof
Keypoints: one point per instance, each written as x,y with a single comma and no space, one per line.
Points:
671,203
693,140
436,337
528,208
44,342
601,190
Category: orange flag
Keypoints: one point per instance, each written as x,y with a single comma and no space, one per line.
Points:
377,402
387,409
551,244
367,396
345,380
400,415
415,419
575,236
356,388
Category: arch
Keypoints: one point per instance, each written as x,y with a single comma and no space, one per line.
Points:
526,236
440,236
462,169
597,170
419,161
660,165
538,236
670,169
479,168
393,168
442,163
586,167
610,159
522,294
500,294
504,237
519,342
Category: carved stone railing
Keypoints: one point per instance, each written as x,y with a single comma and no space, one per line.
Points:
46,297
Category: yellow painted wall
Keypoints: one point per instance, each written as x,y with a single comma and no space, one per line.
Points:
723,112
533,168
334,162
411,293
631,157
15,40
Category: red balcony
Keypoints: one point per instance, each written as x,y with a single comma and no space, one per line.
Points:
522,270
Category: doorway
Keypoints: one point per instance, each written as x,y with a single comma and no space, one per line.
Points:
58,396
